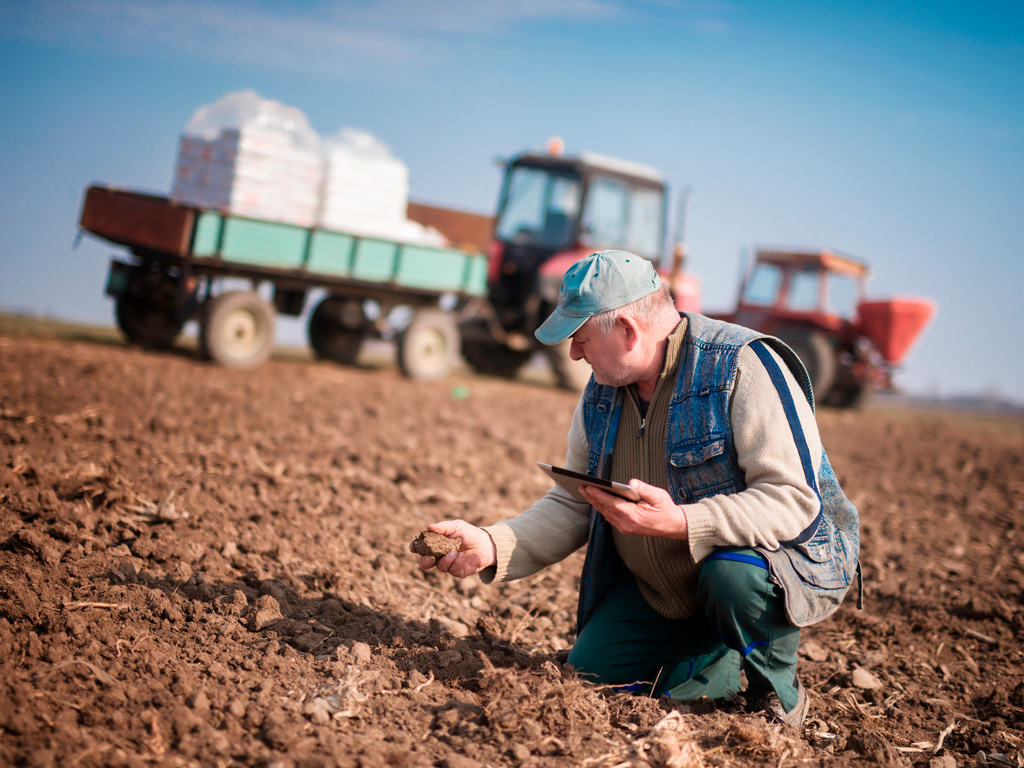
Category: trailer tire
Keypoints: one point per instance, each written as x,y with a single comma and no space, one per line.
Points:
147,325
428,347
818,356
238,330
570,374
330,333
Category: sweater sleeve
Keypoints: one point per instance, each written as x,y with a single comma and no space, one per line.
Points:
779,501
550,530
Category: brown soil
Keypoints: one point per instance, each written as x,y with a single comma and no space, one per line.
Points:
434,545
208,567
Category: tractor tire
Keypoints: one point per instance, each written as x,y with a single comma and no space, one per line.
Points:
428,347
238,330
490,358
335,330
145,324
854,396
573,375
818,356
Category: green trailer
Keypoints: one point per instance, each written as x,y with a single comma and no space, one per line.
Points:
181,255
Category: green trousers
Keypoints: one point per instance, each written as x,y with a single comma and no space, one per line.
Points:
741,624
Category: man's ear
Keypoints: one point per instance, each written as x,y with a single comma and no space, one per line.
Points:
632,329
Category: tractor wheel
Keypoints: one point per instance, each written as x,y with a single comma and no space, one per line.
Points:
145,323
569,374
493,359
335,330
816,353
852,396
238,329
428,347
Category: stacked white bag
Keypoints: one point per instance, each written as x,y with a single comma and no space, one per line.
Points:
252,157
259,158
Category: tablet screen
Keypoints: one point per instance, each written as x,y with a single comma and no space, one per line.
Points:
571,481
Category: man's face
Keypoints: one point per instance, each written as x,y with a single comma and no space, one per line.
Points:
607,354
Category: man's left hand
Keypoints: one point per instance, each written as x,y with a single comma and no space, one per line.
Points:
654,515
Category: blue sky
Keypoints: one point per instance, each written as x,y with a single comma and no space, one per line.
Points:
890,130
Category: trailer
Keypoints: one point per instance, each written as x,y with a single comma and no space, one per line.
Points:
179,257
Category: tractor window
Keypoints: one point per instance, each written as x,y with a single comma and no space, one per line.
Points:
540,208
842,295
645,223
604,224
763,285
803,291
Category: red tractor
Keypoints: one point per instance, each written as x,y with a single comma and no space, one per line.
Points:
815,302
553,211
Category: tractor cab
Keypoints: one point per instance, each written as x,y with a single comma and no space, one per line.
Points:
554,210
820,288
815,302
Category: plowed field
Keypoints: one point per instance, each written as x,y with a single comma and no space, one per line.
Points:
209,567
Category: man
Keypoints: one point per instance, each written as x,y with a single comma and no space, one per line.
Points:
741,535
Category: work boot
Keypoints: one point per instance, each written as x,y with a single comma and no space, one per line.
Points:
768,702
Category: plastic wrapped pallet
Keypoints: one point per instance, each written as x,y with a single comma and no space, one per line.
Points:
259,158
366,191
251,157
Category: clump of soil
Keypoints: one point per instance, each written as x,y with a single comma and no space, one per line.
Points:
430,544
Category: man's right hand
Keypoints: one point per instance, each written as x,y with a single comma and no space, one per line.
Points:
476,553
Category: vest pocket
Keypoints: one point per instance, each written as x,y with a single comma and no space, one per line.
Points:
702,467
693,452
822,561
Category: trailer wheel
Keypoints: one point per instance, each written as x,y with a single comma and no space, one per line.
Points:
147,325
335,331
569,374
238,329
428,347
816,353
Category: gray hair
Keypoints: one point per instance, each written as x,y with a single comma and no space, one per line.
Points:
645,311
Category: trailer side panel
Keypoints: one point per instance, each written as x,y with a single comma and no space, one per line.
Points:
137,220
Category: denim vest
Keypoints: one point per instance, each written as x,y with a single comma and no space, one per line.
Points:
815,569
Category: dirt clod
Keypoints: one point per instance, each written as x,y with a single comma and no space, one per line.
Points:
264,612
431,544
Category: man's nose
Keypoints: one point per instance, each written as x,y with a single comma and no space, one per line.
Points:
575,350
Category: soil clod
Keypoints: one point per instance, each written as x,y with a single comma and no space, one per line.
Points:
431,544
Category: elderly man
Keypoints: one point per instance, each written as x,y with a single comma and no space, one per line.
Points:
742,534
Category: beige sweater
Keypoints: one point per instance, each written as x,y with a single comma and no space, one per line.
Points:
776,505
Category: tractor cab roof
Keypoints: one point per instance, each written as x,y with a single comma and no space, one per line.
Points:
824,260
591,161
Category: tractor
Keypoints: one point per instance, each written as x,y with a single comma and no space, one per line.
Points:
815,302
554,210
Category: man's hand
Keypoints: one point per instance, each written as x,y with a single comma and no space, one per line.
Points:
476,553
654,515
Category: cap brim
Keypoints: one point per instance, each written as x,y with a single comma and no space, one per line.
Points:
558,327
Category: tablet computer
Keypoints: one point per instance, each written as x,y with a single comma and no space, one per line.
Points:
571,481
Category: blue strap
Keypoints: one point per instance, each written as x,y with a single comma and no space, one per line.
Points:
633,687
739,557
755,644
775,373
790,408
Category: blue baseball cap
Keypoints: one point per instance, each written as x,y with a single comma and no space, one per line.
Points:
601,282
